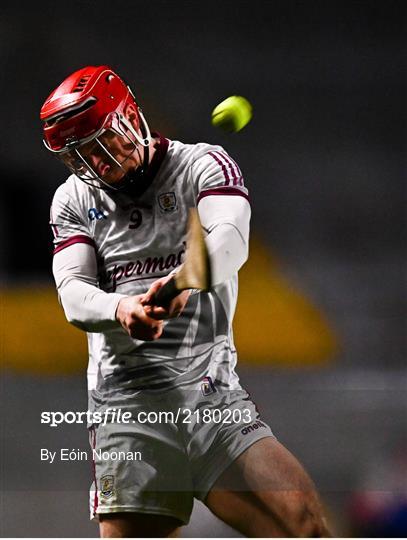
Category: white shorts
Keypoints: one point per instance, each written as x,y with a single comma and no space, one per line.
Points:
158,464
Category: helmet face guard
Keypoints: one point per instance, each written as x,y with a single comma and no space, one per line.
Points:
86,126
103,159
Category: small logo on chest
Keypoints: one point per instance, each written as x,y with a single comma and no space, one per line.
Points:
94,213
167,201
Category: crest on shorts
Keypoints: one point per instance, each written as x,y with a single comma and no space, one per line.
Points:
207,386
167,201
107,486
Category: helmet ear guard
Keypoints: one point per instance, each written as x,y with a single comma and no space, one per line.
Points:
143,127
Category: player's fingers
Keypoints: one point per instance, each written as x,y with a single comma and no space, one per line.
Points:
146,332
149,295
155,331
156,312
140,316
145,335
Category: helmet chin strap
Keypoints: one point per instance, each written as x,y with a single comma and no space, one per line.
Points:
136,181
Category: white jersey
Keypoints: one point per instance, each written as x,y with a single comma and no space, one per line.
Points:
138,240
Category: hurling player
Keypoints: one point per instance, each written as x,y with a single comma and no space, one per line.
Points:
119,225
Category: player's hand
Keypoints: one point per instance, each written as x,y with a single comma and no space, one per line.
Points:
131,315
173,309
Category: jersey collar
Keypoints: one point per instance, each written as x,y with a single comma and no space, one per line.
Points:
161,148
144,181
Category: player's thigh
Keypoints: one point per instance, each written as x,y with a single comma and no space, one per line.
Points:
266,492
137,525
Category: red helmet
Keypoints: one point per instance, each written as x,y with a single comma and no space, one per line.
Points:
88,103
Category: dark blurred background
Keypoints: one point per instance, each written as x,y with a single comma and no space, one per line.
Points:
324,160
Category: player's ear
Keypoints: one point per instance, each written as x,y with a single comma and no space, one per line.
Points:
131,113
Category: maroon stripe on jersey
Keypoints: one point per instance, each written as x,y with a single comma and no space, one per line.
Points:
223,166
225,160
234,169
239,179
222,191
78,239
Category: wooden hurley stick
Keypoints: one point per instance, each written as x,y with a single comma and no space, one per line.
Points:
195,273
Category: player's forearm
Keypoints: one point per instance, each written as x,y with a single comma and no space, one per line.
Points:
227,221
228,250
85,305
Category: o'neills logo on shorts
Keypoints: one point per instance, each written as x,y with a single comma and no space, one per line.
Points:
149,265
252,427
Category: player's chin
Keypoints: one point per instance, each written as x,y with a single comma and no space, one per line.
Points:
114,179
